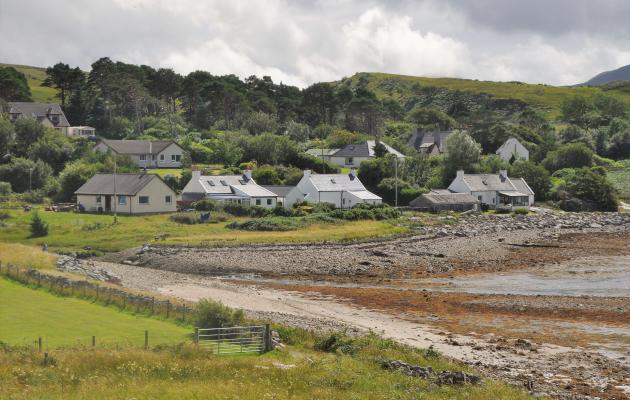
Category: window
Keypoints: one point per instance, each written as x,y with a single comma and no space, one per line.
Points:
479,197
176,157
350,160
269,202
143,157
167,199
98,199
153,157
122,200
257,202
143,199
161,157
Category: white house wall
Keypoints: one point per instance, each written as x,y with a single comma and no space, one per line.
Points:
156,190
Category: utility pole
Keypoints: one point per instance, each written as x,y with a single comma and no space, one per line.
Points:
396,179
30,179
115,199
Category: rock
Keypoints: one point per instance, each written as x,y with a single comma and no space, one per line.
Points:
407,369
457,378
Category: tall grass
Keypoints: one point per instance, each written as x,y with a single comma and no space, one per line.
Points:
26,256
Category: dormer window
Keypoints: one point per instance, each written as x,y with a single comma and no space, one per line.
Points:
210,183
333,181
242,182
224,183
55,118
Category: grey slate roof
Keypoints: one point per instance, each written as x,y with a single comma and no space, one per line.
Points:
522,186
426,139
336,182
451,198
364,149
126,184
280,191
137,146
484,182
39,111
319,152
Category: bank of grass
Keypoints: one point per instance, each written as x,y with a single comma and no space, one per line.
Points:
162,172
619,175
19,254
35,77
76,232
28,313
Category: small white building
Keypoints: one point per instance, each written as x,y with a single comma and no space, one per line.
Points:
342,190
512,148
81,131
146,153
241,189
126,194
494,190
287,195
353,155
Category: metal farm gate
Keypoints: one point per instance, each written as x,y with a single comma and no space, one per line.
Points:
234,340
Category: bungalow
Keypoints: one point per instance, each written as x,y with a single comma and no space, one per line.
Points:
513,149
494,190
324,154
126,194
342,190
48,114
241,189
431,143
287,195
436,202
353,155
146,153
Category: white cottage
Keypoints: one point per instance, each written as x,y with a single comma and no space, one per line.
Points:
126,194
512,148
287,195
494,190
342,190
241,189
146,153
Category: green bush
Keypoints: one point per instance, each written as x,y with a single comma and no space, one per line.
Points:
5,188
38,227
339,342
269,224
323,207
520,211
4,215
212,314
192,218
280,211
243,210
205,205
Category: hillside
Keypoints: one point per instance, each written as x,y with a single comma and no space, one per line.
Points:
406,89
36,76
619,74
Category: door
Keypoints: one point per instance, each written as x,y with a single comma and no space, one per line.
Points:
108,203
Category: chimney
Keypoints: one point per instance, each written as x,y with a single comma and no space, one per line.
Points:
503,174
248,174
307,173
352,174
196,174
460,174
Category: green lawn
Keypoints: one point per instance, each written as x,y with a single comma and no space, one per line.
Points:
74,231
26,314
162,172
35,77
620,178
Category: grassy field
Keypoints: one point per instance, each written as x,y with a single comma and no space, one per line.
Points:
19,254
35,77
62,321
545,97
73,231
176,172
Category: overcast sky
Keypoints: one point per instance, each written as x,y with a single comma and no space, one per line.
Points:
301,42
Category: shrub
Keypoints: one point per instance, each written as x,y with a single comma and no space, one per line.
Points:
5,188
4,215
269,224
243,210
212,314
205,205
280,211
192,218
520,211
340,342
323,207
38,227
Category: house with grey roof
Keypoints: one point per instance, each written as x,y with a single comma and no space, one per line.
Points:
512,149
494,190
287,195
48,114
432,143
126,194
146,153
353,155
324,154
342,190
241,189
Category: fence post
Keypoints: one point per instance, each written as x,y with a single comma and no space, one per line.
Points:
196,336
93,341
168,308
124,296
96,292
109,299
184,313
39,279
39,344
267,337
146,340
152,305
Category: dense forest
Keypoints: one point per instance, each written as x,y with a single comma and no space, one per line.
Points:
255,122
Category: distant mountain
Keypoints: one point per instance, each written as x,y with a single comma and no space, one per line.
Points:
619,74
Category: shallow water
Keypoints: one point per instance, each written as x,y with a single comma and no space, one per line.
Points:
593,276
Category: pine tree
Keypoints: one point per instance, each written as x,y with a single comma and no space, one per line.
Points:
38,227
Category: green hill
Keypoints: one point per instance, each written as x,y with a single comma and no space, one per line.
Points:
35,77
404,88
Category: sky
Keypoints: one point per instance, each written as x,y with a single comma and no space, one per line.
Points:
558,42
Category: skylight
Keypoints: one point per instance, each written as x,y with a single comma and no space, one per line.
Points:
210,183
224,183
